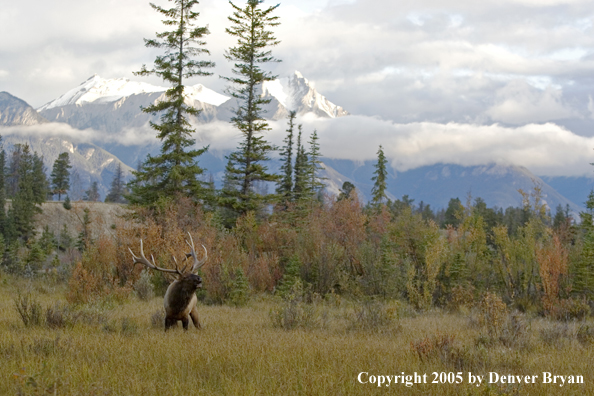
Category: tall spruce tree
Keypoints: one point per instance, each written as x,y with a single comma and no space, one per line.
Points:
12,172
378,192
175,171
41,185
314,181
245,166
61,175
2,190
285,185
300,190
92,194
118,187
24,203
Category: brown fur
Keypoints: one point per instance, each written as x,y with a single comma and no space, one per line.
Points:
180,301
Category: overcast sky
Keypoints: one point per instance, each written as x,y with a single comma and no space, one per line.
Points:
514,63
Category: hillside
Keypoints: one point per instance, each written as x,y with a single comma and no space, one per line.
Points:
103,217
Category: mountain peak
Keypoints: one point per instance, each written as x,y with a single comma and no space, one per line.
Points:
100,90
15,111
296,93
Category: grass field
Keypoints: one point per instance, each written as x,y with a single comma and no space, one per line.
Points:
114,349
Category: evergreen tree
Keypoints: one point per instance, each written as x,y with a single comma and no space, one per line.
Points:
346,191
12,176
24,203
2,190
453,213
300,190
118,187
92,194
285,185
378,192
67,204
245,166
175,171
61,175
41,186
314,181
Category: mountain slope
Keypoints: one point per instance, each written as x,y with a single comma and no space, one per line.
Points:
90,162
497,184
14,111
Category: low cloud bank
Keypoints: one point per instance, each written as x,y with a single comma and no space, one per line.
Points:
546,149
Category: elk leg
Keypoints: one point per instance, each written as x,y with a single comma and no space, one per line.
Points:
170,322
185,322
194,316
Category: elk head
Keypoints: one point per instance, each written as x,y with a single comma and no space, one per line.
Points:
180,298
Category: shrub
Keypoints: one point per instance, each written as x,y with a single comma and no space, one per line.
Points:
556,333
461,296
294,312
570,309
60,316
492,314
30,310
585,334
373,315
143,287
239,294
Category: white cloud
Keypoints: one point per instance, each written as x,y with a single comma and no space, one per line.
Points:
519,103
546,149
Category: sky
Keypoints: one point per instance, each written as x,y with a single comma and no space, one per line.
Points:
486,73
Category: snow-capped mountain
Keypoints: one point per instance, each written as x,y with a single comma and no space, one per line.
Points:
100,90
110,105
295,93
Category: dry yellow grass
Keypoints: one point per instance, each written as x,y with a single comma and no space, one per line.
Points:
239,352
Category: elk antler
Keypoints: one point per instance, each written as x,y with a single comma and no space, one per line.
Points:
144,261
197,264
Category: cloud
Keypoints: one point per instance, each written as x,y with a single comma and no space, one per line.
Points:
127,137
519,103
545,149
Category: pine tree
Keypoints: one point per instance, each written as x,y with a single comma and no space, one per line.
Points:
92,194
61,175
314,181
300,190
117,190
175,171
2,191
285,185
378,192
24,203
245,166
12,176
346,191
41,186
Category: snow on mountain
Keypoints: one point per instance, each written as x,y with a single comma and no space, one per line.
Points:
295,93
100,90
111,105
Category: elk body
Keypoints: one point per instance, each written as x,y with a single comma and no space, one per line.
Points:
180,299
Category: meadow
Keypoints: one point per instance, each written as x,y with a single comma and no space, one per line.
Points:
273,346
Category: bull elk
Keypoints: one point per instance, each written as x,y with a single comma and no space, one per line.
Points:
180,298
